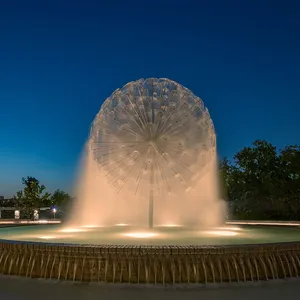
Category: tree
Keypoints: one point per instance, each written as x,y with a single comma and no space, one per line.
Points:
61,201
259,166
263,183
290,179
32,197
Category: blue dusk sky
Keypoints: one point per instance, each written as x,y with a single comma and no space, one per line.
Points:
59,60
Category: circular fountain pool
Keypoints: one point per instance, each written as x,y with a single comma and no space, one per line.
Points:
122,234
162,255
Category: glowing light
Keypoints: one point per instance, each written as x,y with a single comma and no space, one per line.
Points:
47,237
91,226
171,225
72,230
235,228
229,228
43,221
222,232
141,235
121,224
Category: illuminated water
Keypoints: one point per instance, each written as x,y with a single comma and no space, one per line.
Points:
160,235
150,159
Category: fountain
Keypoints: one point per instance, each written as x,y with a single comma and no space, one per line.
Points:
148,208
152,147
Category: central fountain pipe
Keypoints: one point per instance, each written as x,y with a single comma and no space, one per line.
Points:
151,209
151,200
152,150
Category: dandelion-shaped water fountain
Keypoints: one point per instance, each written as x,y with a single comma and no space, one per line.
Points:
153,137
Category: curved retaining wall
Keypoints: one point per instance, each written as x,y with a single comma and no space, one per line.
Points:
147,264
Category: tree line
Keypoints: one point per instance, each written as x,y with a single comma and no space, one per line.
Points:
262,182
35,196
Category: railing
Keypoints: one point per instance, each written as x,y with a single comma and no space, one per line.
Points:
17,222
262,222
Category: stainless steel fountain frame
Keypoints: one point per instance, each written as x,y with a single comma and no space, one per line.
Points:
150,264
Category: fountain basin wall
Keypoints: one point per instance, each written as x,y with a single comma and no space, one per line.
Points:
150,264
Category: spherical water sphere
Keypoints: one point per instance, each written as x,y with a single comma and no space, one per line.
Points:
153,134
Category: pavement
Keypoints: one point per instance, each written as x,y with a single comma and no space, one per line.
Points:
15,288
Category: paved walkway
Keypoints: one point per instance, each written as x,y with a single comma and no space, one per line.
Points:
13,288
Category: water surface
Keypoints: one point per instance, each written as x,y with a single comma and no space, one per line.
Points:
164,235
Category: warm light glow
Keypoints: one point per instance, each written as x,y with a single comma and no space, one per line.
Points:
43,221
229,228
54,210
121,224
235,228
91,226
171,225
141,235
47,237
72,230
222,232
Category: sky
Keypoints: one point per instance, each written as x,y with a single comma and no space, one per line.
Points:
59,60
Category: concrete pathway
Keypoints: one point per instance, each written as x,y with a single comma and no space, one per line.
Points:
14,288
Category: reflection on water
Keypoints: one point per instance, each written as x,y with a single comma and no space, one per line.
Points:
160,235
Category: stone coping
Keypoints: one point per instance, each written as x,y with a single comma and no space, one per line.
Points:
144,249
